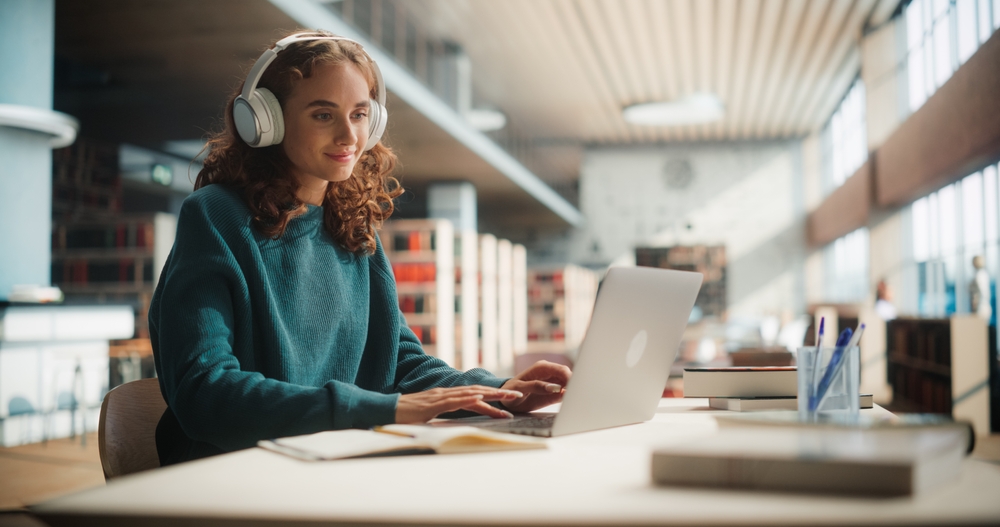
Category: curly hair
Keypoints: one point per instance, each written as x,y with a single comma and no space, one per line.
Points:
352,209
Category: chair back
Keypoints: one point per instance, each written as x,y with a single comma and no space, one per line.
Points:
127,430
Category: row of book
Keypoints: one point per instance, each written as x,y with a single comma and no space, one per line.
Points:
86,179
930,342
117,236
82,271
425,334
418,303
417,240
414,272
69,200
710,261
87,162
931,392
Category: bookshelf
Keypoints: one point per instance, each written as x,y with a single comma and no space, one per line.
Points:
489,354
467,300
709,260
115,258
505,308
560,301
86,179
941,366
423,261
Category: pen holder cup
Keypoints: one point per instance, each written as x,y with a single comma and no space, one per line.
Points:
828,381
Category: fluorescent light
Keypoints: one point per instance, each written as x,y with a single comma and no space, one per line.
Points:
696,108
485,120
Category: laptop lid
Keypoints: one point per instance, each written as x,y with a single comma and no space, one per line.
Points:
633,338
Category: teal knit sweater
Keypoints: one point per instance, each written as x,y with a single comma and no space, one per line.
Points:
256,338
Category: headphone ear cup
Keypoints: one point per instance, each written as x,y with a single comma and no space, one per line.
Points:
273,108
245,119
376,124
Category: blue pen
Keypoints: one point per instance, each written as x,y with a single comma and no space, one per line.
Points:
855,340
817,356
831,368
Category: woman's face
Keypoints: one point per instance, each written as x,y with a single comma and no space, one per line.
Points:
326,127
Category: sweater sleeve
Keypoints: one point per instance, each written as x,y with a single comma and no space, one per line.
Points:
193,328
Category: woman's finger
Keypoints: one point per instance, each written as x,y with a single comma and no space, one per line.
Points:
488,393
540,387
451,404
549,371
482,408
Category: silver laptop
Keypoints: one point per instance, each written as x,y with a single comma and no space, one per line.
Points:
625,357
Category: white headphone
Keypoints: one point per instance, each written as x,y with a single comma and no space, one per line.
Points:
257,112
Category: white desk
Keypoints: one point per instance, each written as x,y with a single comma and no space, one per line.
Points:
597,478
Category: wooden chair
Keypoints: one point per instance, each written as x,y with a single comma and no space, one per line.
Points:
127,429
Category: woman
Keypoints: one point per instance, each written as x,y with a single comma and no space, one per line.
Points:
276,312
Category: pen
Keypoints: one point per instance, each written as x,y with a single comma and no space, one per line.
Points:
821,386
816,361
835,361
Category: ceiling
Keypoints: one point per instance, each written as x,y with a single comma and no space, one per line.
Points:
149,71
564,69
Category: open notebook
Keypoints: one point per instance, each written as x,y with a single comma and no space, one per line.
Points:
394,440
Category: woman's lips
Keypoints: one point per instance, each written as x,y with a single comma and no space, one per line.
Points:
341,158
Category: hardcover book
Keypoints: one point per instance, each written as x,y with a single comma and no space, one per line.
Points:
741,382
888,462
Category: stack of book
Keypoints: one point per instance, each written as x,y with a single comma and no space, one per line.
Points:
748,388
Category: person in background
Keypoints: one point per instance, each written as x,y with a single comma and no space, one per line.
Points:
276,312
980,295
883,301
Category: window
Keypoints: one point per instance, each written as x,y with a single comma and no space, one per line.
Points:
940,36
949,228
845,141
845,263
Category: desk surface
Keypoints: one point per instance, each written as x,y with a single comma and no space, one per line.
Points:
596,478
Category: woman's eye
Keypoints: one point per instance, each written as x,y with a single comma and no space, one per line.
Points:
360,115
323,116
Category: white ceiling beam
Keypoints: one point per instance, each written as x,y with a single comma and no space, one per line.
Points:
666,65
582,47
749,12
621,54
787,32
408,88
773,111
725,30
704,47
830,32
681,19
601,117
763,58
811,118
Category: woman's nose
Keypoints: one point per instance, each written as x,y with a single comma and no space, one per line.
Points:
345,133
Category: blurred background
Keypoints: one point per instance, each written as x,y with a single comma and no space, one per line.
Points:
831,158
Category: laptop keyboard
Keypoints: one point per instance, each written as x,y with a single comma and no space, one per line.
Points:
534,426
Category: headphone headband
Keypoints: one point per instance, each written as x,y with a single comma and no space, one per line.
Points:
266,58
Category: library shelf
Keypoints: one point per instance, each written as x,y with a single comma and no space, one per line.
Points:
941,366
422,259
559,305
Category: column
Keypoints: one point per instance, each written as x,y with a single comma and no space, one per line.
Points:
29,129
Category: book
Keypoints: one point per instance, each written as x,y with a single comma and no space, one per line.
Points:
392,440
790,420
741,382
749,404
889,462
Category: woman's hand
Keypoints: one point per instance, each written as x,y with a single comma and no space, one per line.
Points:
542,384
421,407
